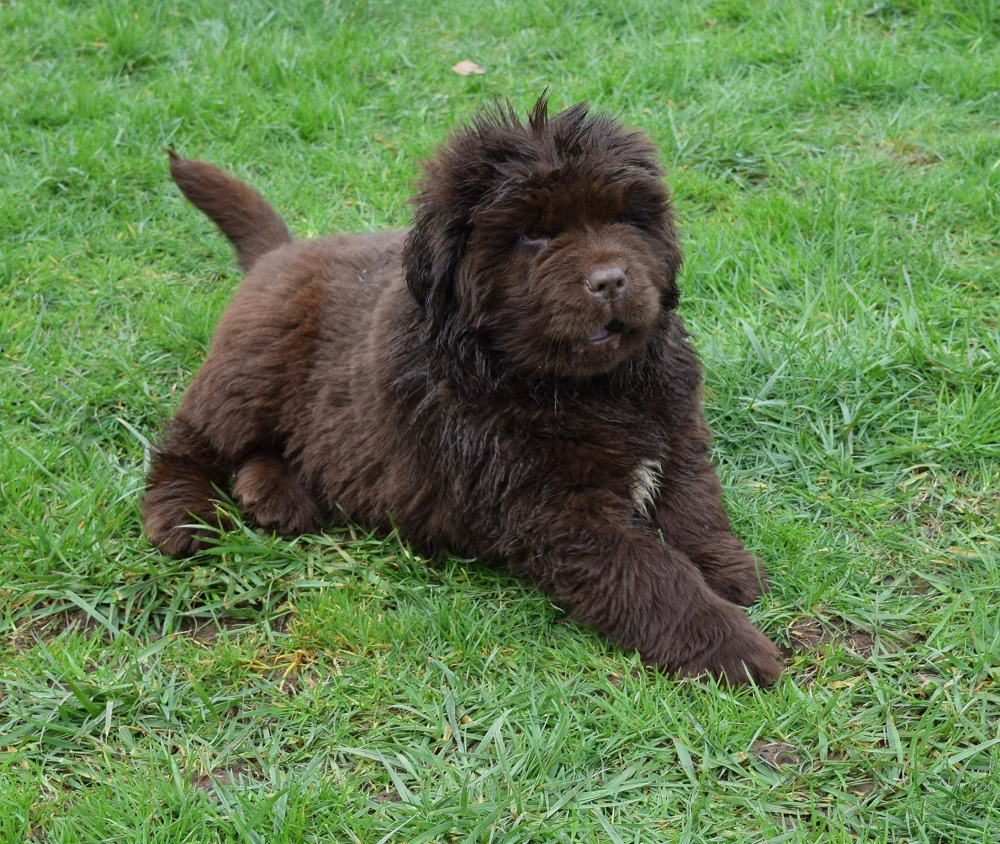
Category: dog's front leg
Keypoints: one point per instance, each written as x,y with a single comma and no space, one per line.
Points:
648,596
690,515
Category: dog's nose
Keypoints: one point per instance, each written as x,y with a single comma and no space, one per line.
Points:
607,283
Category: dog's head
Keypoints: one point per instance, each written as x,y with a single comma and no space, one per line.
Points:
551,242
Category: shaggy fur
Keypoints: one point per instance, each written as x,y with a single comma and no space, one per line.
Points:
507,379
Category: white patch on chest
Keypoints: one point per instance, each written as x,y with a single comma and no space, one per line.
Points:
645,484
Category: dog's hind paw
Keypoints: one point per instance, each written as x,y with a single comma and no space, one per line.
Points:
179,541
178,531
269,491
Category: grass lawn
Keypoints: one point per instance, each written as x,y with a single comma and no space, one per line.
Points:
836,170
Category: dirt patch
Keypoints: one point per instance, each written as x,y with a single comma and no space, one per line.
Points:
815,637
290,670
862,788
386,797
913,156
219,778
807,634
48,628
776,754
860,642
811,634
51,627
209,630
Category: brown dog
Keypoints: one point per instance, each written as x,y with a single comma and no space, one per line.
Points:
507,380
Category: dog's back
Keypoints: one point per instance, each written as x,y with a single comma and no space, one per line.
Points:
252,226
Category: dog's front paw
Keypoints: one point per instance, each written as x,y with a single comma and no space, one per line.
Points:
739,583
730,571
728,647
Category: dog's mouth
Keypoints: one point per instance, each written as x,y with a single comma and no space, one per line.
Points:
610,333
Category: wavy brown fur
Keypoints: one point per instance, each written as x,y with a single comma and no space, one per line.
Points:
508,380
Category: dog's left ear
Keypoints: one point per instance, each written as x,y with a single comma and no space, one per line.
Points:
672,259
670,255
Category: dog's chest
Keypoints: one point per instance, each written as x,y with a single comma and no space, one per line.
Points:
646,479
628,459
613,448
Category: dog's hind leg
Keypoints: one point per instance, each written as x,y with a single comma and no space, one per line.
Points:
182,489
269,490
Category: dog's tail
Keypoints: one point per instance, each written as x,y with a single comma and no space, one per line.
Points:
242,214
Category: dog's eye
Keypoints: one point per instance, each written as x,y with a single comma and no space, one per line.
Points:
534,239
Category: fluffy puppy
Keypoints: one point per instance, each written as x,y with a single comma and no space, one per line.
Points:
508,379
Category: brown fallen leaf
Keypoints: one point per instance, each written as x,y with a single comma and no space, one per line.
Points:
465,67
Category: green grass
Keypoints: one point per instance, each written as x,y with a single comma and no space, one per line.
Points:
836,169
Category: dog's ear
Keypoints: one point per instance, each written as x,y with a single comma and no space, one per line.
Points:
431,256
671,259
670,295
